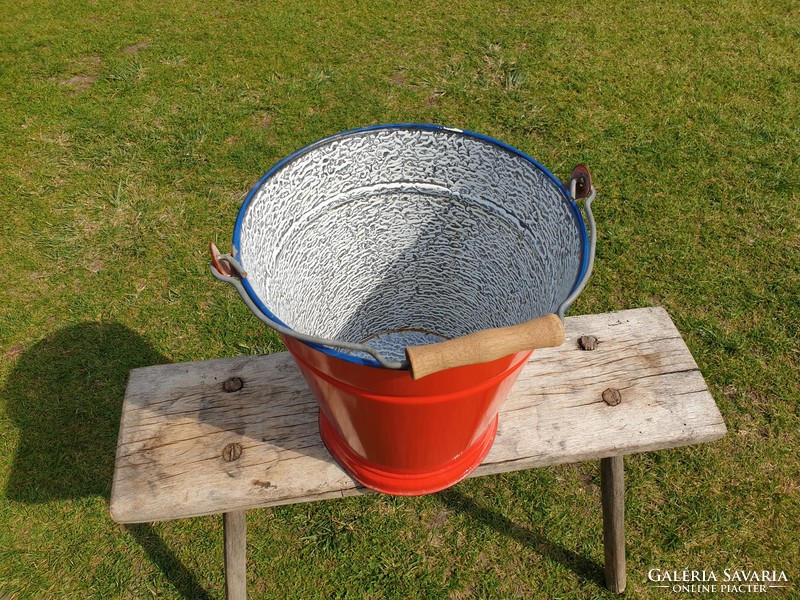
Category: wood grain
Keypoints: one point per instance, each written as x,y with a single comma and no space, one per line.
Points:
175,459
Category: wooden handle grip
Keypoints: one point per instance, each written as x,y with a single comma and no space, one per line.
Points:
485,346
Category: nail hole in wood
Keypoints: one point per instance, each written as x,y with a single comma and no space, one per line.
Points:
231,452
612,396
234,384
587,342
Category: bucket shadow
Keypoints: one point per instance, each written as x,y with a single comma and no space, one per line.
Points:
64,396
587,569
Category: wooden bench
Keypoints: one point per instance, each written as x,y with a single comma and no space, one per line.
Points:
225,436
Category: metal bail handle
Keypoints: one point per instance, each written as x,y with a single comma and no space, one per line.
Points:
581,188
477,347
226,268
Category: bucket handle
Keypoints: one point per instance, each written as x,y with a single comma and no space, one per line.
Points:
227,269
478,347
485,346
581,188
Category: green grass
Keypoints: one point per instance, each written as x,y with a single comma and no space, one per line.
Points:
128,137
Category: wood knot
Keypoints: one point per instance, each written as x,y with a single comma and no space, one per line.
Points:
612,396
234,384
231,452
587,342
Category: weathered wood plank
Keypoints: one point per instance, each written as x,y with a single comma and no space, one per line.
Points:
555,412
175,456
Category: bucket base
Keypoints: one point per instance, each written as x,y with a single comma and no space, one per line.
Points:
407,483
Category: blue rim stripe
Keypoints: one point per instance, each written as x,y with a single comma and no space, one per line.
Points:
423,126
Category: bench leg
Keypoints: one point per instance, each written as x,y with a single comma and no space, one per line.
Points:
234,527
612,485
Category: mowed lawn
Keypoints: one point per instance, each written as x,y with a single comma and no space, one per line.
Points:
129,134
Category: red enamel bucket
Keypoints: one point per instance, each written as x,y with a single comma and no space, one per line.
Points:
411,270
400,436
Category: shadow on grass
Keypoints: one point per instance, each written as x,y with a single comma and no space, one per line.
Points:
173,569
64,395
583,567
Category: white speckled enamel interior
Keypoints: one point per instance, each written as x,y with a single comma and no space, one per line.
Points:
404,236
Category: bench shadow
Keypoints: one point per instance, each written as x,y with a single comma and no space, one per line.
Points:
173,569
585,568
64,396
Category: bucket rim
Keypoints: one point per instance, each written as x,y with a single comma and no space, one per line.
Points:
369,361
